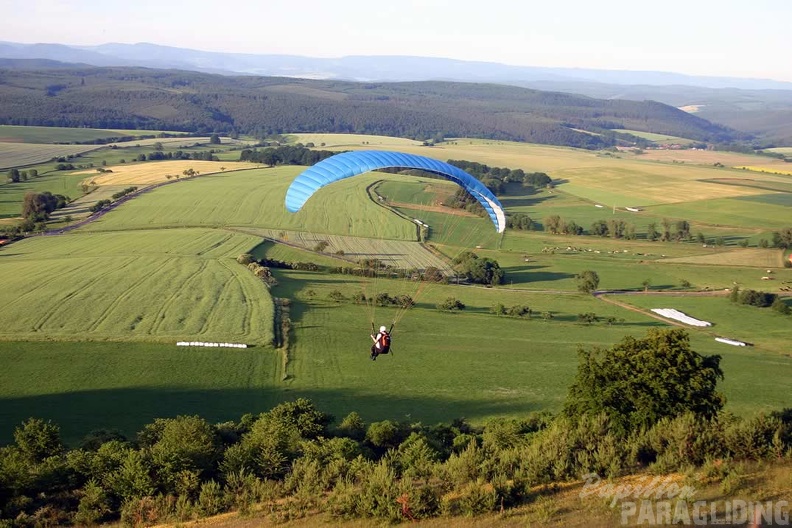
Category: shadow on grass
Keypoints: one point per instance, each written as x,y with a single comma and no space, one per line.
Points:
129,409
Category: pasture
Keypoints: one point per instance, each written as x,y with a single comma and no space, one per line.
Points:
159,286
12,194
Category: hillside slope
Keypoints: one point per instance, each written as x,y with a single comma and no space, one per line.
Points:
179,100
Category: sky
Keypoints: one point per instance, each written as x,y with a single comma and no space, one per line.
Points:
733,38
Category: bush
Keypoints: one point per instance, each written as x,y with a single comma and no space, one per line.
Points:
451,304
245,259
757,298
780,306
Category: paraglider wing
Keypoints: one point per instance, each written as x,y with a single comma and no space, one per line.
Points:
349,164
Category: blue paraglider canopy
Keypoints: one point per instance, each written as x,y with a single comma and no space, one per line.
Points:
348,164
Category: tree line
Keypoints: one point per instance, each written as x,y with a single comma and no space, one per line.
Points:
648,403
297,154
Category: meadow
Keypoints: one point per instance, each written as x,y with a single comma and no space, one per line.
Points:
102,306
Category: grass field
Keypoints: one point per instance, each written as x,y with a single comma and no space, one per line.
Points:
175,142
161,268
656,138
396,253
166,286
12,194
621,180
41,134
255,198
24,154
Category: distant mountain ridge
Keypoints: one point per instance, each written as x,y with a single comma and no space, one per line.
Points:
124,97
358,67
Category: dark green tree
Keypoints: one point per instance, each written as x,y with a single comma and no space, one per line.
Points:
639,381
599,228
587,281
37,439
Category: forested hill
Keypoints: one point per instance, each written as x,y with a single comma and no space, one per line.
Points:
198,102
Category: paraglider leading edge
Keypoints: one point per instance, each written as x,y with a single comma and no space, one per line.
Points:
349,164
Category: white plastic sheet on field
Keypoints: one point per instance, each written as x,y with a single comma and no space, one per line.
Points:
671,313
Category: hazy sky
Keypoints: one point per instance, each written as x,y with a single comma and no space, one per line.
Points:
739,38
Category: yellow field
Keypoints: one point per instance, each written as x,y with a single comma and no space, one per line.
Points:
157,171
335,141
749,257
768,169
621,180
707,157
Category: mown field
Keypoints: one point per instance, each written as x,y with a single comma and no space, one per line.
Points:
255,198
656,138
42,134
163,286
24,154
161,268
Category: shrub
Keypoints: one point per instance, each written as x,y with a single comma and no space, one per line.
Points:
451,304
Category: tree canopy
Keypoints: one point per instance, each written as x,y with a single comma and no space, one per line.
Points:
639,381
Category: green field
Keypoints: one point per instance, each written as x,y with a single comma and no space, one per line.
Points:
92,315
255,198
25,154
166,286
12,194
656,138
41,134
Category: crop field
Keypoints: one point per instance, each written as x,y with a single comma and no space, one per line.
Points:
42,134
767,185
102,306
156,172
255,198
707,158
24,154
175,142
361,141
752,257
657,138
771,169
166,285
622,180
396,253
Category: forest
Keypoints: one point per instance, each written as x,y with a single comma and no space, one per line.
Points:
139,98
